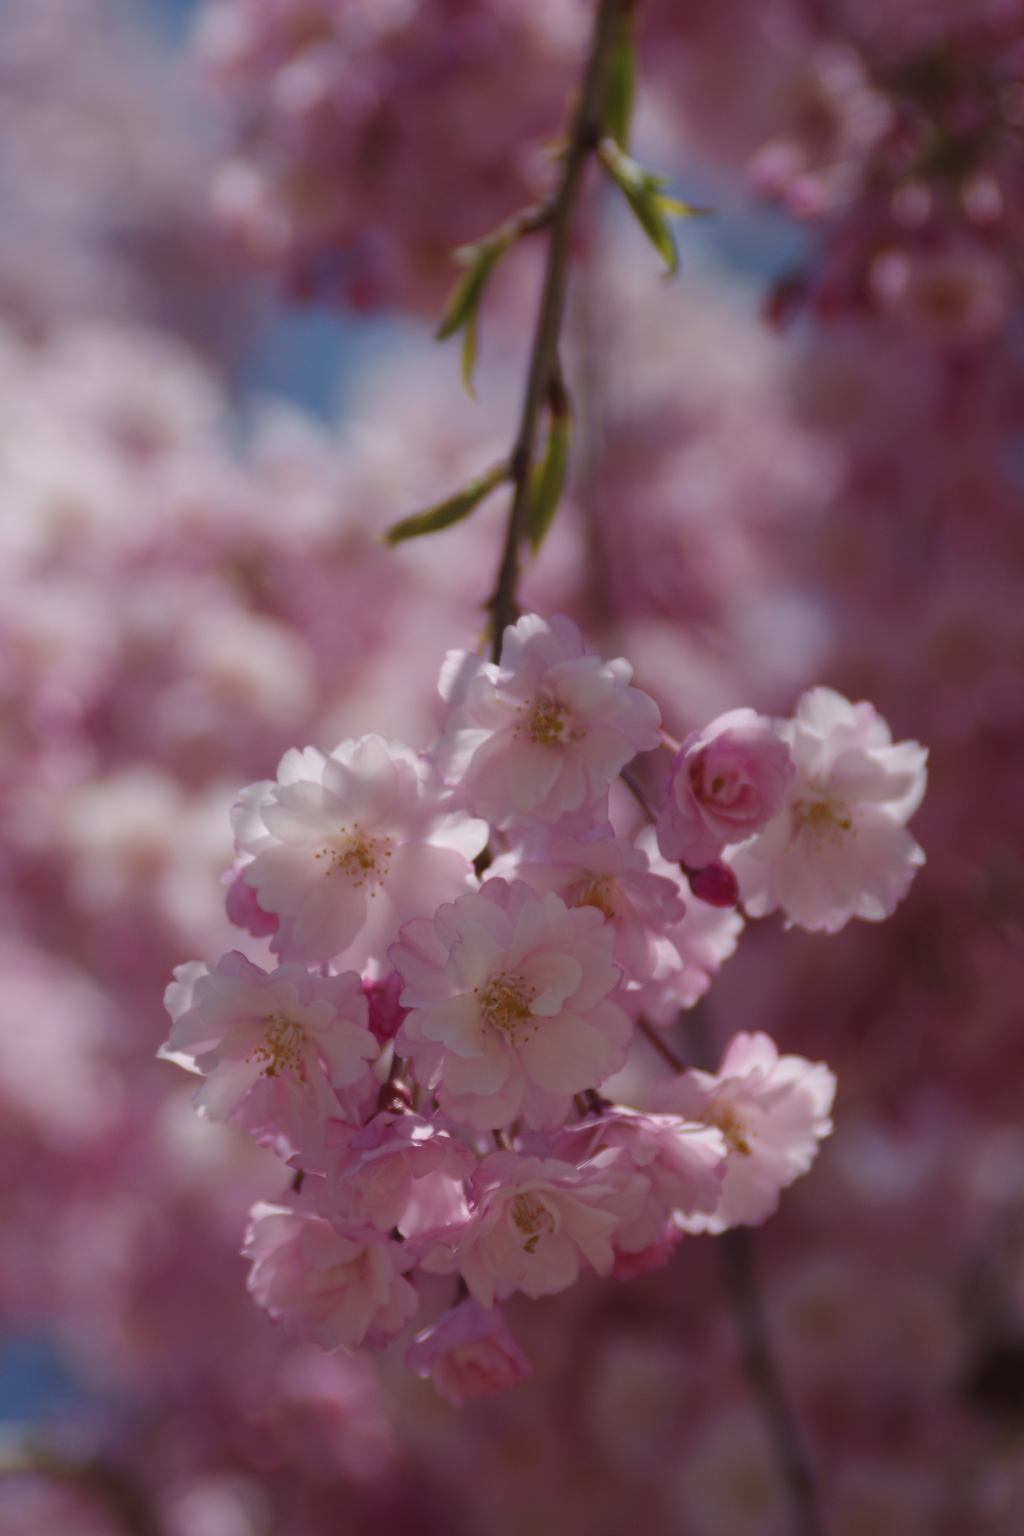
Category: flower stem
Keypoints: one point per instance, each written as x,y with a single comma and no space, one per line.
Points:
543,370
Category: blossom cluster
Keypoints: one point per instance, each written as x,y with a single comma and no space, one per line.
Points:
465,945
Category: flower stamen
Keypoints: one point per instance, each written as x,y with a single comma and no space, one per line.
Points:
281,1046
505,1003
532,1218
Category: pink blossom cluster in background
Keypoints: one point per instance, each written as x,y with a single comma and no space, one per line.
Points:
766,524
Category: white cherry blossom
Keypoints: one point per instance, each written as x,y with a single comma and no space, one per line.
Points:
772,1111
283,1053
349,846
542,734
510,1011
839,847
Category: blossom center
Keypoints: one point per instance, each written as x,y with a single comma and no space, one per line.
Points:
281,1046
548,722
598,891
363,859
720,785
826,820
532,1218
505,1003
725,1119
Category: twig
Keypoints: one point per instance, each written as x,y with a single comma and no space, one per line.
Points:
585,136
108,1484
765,1382
794,1469
639,794
652,1033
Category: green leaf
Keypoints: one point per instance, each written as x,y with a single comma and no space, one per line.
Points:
621,83
463,307
465,296
445,513
548,478
651,207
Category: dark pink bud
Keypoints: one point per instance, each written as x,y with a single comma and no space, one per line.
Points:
715,884
386,1015
245,911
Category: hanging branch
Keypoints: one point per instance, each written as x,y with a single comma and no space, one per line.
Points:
587,131
737,1249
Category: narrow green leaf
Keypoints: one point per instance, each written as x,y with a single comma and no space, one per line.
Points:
621,86
651,206
469,336
445,513
465,296
679,210
548,479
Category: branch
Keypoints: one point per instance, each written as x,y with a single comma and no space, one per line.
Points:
794,1469
653,1034
737,1249
108,1484
584,139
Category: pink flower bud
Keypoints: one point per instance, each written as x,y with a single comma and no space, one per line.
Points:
715,884
726,784
386,1015
469,1353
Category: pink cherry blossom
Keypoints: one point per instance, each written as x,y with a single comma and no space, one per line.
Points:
242,907
690,953
838,848
328,1287
683,1160
682,1165
398,1171
725,784
352,845
543,734
536,1221
282,1053
509,1004
612,875
468,1353
772,1111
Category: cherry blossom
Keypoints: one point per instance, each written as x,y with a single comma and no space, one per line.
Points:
690,953
542,734
838,848
612,875
398,1171
726,783
510,1011
467,1353
282,1052
536,1221
328,1287
353,844
772,1111
682,1164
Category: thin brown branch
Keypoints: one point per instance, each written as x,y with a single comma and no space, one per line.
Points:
652,1033
766,1384
107,1484
639,794
583,140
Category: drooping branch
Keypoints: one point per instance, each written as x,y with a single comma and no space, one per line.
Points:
543,371
766,1384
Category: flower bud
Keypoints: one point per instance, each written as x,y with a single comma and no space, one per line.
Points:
715,884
